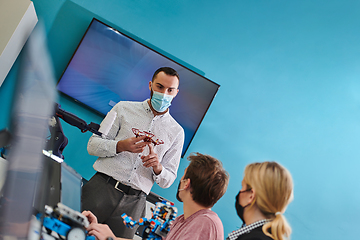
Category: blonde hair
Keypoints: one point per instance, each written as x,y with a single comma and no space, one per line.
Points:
273,187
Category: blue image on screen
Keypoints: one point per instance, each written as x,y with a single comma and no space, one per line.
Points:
109,66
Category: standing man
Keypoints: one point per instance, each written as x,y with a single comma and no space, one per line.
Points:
128,166
204,182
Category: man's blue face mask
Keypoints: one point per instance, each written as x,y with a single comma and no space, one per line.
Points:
160,101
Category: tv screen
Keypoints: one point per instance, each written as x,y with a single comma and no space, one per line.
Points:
109,66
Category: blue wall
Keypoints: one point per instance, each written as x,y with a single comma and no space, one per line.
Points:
290,91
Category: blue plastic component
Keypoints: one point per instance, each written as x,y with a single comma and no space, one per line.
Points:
159,224
56,226
63,219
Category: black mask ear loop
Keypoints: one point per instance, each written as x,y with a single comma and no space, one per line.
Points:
240,209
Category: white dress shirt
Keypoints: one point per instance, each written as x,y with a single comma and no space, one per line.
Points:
127,167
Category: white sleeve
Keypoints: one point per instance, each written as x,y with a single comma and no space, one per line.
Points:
170,163
105,147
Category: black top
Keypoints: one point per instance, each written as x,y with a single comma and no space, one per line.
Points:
255,234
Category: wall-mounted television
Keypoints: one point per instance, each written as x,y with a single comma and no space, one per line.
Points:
109,66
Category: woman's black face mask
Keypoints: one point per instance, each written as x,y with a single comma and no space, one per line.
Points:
239,208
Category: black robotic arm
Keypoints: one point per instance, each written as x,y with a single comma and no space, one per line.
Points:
58,140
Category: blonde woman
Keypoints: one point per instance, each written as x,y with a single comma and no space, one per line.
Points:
267,189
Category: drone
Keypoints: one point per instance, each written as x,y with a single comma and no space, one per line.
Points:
149,136
158,225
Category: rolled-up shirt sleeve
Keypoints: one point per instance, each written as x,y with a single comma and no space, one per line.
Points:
101,147
170,163
104,147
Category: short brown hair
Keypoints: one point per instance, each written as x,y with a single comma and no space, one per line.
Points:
208,179
168,71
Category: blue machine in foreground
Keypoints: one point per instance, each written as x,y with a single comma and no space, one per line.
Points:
65,222
158,225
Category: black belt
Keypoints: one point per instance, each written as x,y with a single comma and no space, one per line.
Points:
119,186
